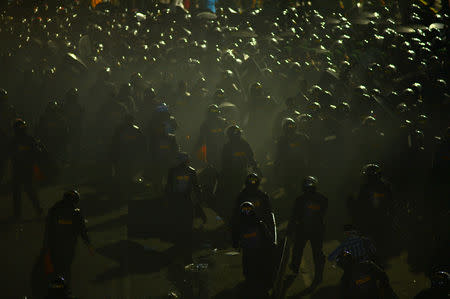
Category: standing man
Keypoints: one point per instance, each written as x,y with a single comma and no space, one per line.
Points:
24,151
181,181
64,224
307,224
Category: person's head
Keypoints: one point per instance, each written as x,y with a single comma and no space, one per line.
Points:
371,172
3,95
440,279
310,184
345,259
289,126
72,95
213,111
234,132
72,197
252,181
20,127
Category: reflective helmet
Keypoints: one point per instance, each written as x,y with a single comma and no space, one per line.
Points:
163,107
345,259
72,196
213,110
234,131
371,171
288,125
310,184
3,95
256,89
440,279
149,93
72,94
247,209
369,121
20,126
219,95
252,181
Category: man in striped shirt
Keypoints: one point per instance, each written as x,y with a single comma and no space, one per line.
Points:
361,247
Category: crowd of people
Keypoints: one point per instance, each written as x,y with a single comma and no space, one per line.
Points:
354,100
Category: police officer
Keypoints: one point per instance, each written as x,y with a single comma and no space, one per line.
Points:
307,224
24,152
291,158
440,287
362,279
127,151
163,148
181,182
289,112
212,136
260,200
237,157
64,225
373,206
256,239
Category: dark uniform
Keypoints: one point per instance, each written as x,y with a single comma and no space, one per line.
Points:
163,148
260,200
237,157
24,151
255,238
363,279
181,181
64,224
371,211
212,136
291,160
127,150
307,224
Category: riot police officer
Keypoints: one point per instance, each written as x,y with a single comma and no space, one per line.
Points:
127,151
307,224
291,158
362,279
373,206
163,148
212,136
64,224
260,200
237,157
24,151
181,182
440,287
256,239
